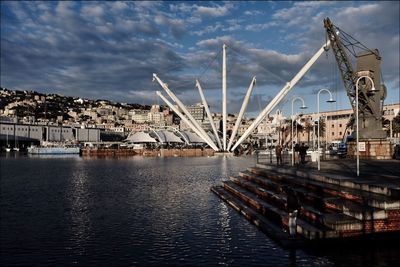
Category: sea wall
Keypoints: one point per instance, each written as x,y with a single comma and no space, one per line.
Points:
374,149
187,152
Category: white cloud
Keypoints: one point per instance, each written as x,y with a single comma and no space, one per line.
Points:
118,6
361,10
92,11
64,9
216,11
208,29
212,11
253,13
215,41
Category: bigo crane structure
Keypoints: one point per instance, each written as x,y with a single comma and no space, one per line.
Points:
348,76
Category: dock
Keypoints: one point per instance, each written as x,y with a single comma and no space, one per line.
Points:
336,205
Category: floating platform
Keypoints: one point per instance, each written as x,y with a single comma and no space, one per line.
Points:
333,207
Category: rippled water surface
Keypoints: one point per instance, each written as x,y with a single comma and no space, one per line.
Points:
135,211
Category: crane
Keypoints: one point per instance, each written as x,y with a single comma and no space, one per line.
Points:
368,64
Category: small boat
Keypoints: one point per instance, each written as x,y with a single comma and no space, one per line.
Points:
8,149
54,150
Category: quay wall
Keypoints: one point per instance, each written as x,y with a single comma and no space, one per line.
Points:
189,152
374,149
108,152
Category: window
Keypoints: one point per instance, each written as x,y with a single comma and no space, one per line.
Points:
333,133
333,125
340,133
340,125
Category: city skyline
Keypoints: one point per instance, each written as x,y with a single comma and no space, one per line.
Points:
110,49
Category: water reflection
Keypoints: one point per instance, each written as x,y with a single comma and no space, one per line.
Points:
133,211
225,232
78,196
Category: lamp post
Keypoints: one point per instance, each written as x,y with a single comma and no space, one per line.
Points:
331,100
302,107
357,134
278,115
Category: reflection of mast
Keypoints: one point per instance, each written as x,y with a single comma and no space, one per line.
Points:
8,149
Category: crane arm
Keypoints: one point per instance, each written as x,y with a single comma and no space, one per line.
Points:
347,72
284,91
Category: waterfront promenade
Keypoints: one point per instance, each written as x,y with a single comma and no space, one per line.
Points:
374,170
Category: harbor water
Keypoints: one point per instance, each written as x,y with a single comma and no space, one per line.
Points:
142,212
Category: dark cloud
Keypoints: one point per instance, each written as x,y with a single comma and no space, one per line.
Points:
111,49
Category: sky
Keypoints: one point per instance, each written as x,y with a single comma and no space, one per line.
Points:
110,50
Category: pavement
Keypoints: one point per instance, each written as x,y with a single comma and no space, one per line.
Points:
375,171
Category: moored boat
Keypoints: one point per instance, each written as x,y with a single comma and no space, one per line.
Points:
54,150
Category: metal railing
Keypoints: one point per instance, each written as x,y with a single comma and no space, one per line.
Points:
269,157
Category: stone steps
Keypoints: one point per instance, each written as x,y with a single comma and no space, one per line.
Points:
324,199
271,212
271,229
277,216
330,209
363,184
336,221
372,199
272,197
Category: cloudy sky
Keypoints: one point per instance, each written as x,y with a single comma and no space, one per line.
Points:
109,50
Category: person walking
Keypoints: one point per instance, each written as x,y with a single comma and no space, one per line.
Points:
278,153
303,152
296,153
292,206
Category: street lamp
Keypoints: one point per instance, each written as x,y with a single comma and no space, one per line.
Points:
278,117
331,100
372,90
302,107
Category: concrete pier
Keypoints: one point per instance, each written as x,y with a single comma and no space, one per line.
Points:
334,204
185,152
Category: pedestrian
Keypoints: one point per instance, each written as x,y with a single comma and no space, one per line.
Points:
278,152
292,207
296,151
303,152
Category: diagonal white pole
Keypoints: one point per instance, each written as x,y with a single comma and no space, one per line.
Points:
185,111
209,116
284,91
242,111
224,96
186,120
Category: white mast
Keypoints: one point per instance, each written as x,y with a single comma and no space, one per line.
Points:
284,91
242,111
186,120
205,104
185,111
224,96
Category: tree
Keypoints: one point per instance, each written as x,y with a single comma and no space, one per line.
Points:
322,126
308,127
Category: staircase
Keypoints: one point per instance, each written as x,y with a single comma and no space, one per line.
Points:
332,207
